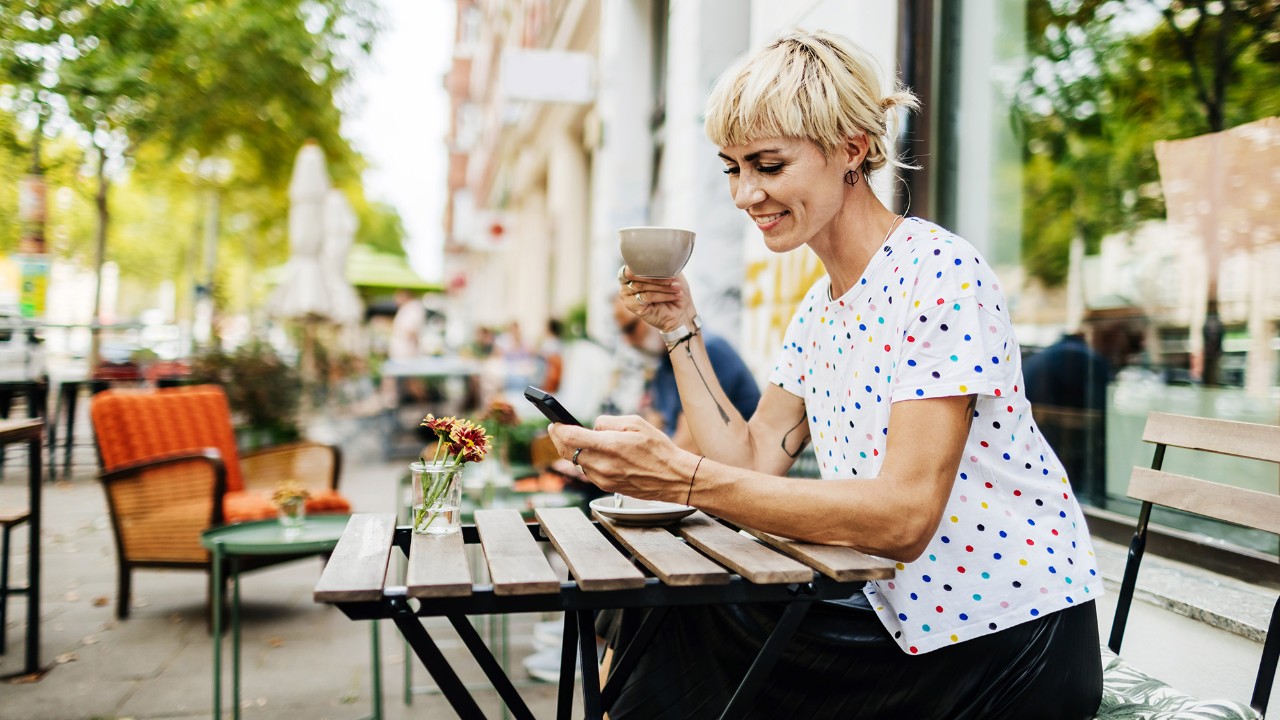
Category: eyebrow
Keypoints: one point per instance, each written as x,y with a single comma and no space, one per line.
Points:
752,156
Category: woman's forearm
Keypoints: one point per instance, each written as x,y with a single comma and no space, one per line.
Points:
717,427
870,515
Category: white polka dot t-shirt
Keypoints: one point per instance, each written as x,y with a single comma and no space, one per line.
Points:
927,319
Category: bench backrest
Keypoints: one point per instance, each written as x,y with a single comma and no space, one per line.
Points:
1242,506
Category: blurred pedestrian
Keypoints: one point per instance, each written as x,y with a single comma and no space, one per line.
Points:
662,406
552,353
1067,385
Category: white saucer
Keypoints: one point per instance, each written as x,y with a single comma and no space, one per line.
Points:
650,512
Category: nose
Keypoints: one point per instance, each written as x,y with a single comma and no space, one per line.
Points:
747,193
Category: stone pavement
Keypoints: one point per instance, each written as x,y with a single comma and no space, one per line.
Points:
301,659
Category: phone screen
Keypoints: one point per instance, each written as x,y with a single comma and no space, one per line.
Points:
547,403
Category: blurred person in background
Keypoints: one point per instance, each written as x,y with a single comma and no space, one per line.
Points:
404,346
552,353
661,405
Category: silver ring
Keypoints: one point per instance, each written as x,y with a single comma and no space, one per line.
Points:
631,285
621,273
575,456
640,298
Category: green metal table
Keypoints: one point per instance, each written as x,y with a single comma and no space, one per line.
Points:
318,534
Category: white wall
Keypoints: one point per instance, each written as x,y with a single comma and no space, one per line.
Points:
621,164
706,36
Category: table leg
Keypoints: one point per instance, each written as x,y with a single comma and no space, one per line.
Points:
72,396
34,450
235,637
51,430
590,670
377,671
766,659
217,632
434,660
492,669
568,649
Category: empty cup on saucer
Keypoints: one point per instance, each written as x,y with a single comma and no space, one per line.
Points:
655,252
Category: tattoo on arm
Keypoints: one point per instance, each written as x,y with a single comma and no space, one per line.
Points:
723,415
804,443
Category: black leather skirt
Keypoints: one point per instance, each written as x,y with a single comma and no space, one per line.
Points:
842,663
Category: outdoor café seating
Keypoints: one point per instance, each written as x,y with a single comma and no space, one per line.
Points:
171,469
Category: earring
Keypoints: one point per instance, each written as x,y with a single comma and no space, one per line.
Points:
850,178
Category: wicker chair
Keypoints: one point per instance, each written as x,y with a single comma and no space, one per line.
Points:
170,469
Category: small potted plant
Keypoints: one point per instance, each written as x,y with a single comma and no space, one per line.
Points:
437,485
290,499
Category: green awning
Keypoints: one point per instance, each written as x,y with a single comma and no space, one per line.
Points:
368,268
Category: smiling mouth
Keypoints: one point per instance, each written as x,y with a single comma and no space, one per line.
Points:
767,222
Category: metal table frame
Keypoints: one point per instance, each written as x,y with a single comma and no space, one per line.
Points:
579,635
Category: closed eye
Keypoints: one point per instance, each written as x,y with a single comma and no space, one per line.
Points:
731,170
770,169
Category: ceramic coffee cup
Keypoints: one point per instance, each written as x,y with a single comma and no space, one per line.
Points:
655,252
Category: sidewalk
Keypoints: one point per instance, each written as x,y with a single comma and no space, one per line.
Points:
301,659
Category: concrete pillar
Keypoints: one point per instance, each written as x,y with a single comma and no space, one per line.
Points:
621,167
568,222
705,36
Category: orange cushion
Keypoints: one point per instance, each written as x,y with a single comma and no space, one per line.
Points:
327,501
245,506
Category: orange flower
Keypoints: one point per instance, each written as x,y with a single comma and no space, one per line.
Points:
462,440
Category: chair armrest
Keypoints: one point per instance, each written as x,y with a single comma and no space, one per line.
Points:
159,506
209,455
313,465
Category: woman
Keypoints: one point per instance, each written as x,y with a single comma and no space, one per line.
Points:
901,367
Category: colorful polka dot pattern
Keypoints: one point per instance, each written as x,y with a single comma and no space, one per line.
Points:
928,320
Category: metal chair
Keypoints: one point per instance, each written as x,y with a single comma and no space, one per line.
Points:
1250,508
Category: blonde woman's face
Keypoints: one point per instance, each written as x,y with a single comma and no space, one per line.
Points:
790,191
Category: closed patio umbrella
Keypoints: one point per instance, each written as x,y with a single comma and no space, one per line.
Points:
340,225
302,293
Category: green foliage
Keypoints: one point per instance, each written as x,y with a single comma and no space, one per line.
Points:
262,389
168,89
575,322
380,227
1096,98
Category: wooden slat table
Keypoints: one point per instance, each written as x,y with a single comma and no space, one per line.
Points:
697,561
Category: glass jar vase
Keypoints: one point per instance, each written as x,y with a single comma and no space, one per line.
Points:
292,513
437,497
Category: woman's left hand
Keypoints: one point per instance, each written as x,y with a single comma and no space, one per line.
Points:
627,455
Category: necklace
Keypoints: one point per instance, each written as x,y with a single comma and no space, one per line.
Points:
892,225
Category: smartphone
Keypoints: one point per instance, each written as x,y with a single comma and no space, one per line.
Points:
547,403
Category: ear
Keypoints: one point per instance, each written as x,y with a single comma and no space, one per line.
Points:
855,151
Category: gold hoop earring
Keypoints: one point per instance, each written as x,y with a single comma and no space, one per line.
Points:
850,178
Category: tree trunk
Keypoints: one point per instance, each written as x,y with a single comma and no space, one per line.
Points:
99,256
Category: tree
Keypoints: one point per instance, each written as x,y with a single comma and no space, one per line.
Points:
224,78
1105,81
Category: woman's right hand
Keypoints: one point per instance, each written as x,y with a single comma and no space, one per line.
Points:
664,304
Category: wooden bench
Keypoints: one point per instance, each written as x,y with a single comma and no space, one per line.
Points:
696,561
1127,692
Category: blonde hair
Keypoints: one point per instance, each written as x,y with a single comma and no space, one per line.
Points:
817,86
